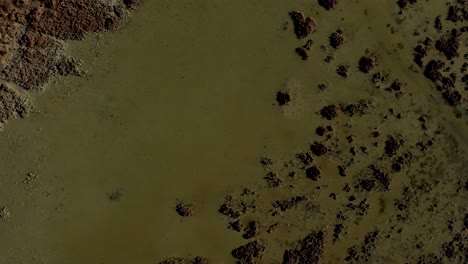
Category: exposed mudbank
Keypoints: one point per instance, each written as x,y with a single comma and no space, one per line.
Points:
12,104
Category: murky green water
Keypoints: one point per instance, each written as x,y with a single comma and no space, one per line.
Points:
178,106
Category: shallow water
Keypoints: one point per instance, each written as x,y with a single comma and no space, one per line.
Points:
177,107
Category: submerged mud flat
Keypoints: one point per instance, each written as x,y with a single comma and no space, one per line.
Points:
366,162
384,179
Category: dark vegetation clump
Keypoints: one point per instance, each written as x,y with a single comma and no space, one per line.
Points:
283,98
328,4
248,253
310,250
343,71
336,39
313,173
330,111
184,209
303,26
319,149
367,64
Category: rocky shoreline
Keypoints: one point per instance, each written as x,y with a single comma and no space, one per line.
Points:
34,34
